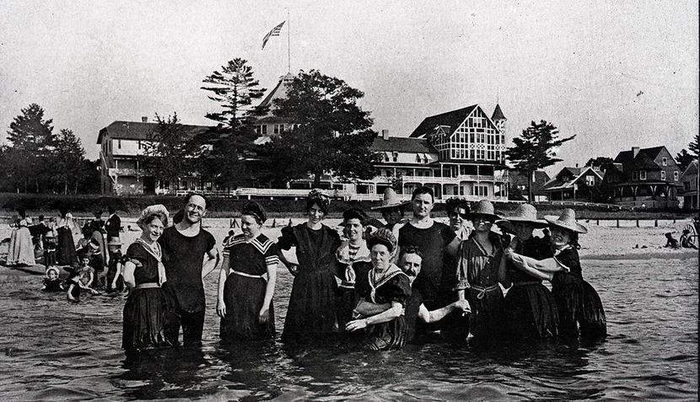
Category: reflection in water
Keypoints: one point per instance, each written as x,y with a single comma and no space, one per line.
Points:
50,349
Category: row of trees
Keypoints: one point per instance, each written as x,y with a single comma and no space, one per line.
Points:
331,134
36,159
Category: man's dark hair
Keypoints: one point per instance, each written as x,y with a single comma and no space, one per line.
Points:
190,195
423,190
410,250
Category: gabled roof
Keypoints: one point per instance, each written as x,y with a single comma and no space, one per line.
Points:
132,130
452,119
498,114
557,183
644,159
518,178
692,169
402,144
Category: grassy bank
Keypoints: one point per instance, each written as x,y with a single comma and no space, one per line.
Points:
85,205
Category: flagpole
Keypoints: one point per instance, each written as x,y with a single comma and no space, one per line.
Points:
289,54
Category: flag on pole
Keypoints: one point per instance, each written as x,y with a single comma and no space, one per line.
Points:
274,32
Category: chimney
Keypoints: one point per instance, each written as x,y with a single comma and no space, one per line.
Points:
385,134
635,151
144,119
577,166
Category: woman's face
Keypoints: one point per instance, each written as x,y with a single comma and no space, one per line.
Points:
53,275
482,223
354,229
458,217
250,227
315,214
522,231
422,205
154,229
560,237
380,257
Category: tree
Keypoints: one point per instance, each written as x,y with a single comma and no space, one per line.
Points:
602,163
68,157
31,141
684,159
694,146
331,134
172,150
535,149
235,89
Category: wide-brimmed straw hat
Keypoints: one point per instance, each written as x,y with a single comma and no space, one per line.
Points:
483,208
566,220
525,213
391,200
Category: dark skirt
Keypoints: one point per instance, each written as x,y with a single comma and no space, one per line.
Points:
244,298
146,312
312,313
346,302
579,308
530,312
65,252
387,335
486,319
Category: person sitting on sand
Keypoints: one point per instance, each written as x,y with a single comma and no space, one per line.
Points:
81,278
686,240
670,241
52,281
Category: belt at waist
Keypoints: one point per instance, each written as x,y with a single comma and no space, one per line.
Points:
263,276
481,291
527,283
147,285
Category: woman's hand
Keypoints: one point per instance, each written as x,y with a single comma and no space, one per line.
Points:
356,325
264,315
221,308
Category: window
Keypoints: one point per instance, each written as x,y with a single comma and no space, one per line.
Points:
480,190
590,180
663,162
643,174
264,129
276,129
675,175
119,144
139,144
663,175
395,156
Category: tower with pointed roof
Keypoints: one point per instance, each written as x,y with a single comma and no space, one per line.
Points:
499,119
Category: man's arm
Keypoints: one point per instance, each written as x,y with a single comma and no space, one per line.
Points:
213,261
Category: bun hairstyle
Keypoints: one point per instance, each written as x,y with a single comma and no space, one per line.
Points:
382,236
318,198
255,210
151,212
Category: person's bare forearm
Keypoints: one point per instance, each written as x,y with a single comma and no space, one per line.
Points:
270,288
367,309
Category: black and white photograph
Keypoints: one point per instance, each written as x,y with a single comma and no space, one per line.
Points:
349,200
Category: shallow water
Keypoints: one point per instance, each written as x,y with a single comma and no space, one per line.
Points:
51,349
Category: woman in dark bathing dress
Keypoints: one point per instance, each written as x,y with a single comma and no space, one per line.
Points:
247,285
147,308
530,311
579,306
312,313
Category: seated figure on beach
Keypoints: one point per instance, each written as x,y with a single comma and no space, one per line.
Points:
687,240
670,241
52,281
579,307
80,278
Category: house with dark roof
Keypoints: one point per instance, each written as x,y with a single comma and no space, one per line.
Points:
457,153
518,182
645,178
689,189
574,184
270,125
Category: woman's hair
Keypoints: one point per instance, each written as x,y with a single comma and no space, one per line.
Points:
423,190
255,210
151,212
354,213
453,203
382,236
318,198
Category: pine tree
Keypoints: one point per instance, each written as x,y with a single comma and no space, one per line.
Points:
535,149
684,158
31,141
694,146
68,157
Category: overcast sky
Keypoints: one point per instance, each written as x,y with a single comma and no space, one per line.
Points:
616,74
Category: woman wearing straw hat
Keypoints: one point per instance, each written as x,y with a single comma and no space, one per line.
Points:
578,304
530,311
392,209
480,270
